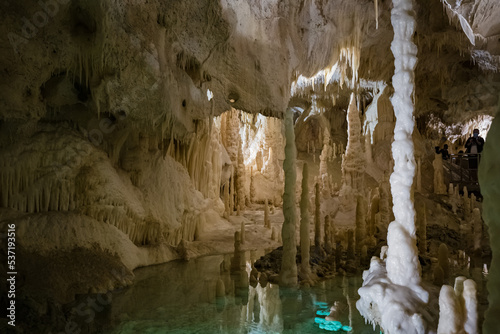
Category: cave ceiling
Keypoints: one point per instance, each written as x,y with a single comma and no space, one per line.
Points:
156,61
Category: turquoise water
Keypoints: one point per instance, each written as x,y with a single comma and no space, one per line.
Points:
182,297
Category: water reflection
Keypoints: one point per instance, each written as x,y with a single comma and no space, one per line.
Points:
212,295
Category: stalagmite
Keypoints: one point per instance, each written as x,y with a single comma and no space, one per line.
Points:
252,185
450,312
237,242
443,259
439,186
353,164
469,296
267,223
288,272
242,233
477,226
317,217
305,242
273,234
438,275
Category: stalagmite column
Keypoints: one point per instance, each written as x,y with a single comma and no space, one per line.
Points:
288,273
317,217
402,260
396,301
305,243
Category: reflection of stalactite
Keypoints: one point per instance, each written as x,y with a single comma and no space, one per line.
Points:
270,319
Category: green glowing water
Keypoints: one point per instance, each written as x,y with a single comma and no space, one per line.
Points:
182,297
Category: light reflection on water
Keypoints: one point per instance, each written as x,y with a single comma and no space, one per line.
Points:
211,295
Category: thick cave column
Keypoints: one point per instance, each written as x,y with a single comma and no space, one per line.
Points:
288,273
391,294
402,261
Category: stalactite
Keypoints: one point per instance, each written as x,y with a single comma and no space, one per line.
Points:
304,223
317,217
288,272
